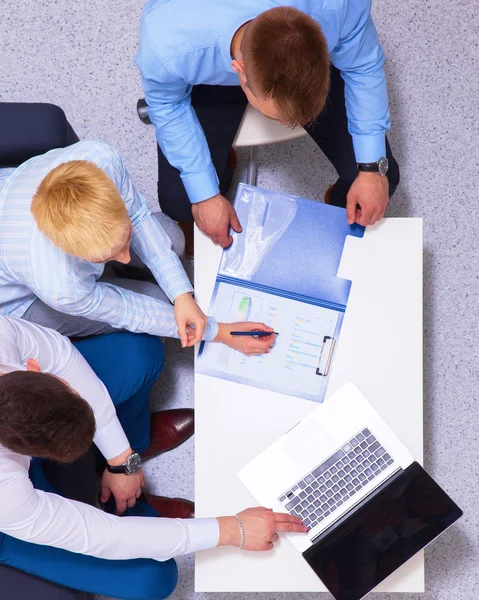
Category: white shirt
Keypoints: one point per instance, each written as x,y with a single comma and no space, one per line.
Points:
45,518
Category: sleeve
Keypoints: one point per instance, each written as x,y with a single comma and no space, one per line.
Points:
102,301
121,308
178,131
360,59
149,240
64,360
109,438
44,518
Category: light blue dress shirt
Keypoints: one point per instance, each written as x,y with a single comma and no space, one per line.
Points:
32,266
187,42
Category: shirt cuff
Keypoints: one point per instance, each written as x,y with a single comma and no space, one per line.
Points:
369,148
171,276
201,186
111,440
203,534
211,330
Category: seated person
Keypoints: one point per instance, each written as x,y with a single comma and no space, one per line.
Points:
65,214
52,405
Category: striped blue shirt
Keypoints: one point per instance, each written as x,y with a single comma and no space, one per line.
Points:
31,266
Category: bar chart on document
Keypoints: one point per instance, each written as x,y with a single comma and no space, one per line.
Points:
259,281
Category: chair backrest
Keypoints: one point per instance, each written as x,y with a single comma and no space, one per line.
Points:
30,129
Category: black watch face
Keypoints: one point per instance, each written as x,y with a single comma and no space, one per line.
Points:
134,463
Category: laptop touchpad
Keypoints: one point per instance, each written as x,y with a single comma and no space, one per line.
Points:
310,444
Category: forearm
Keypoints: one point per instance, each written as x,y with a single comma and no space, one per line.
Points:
183,143
50,520
123,309
153,246
368,114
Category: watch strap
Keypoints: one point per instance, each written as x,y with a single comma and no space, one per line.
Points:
369,167
126,467
121,469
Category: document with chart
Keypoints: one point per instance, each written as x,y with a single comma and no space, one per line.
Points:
281,271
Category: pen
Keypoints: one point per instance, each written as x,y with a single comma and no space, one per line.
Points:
255,332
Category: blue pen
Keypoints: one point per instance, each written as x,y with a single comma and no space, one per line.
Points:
254,332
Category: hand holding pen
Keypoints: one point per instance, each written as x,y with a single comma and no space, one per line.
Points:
247,337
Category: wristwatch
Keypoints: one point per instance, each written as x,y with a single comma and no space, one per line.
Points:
381,166
130,467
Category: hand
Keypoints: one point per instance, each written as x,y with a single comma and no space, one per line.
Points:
190,319
261,527
246,344
367,199
125,488
214,217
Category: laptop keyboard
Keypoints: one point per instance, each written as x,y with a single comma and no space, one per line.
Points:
337,479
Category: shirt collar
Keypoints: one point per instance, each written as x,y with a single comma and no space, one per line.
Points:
227,36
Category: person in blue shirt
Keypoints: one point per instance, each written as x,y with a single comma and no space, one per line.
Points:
312,63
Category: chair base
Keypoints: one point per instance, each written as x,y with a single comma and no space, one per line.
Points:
252,172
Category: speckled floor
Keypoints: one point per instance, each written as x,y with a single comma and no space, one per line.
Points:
80,56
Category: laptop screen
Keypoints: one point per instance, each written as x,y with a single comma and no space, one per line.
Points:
382,534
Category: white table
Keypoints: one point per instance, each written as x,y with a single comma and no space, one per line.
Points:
379,349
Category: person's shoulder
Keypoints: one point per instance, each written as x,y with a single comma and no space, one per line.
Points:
55,351
355,6
91,150
15,484
12,463
8,345
99,152
5,323
173,28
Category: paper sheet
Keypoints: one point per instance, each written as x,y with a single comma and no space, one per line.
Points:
297,361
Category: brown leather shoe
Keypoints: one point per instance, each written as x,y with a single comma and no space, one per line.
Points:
169,429
327,195
172,508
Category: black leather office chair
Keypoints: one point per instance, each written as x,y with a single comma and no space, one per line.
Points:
30,129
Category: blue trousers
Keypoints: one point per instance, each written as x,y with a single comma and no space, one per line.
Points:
128,364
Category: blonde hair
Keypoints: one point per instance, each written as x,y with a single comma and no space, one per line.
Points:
79,208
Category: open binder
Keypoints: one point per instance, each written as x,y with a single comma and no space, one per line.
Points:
282,270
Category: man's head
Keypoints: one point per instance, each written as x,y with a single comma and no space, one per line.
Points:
79,208
283,65
40,415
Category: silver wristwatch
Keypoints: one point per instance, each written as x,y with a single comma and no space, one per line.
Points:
381,166
130,467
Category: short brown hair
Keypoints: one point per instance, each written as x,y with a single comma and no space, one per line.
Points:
79,208
286,59
41,416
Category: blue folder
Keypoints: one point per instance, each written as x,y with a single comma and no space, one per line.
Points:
290,248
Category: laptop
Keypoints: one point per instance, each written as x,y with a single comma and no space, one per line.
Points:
368,505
